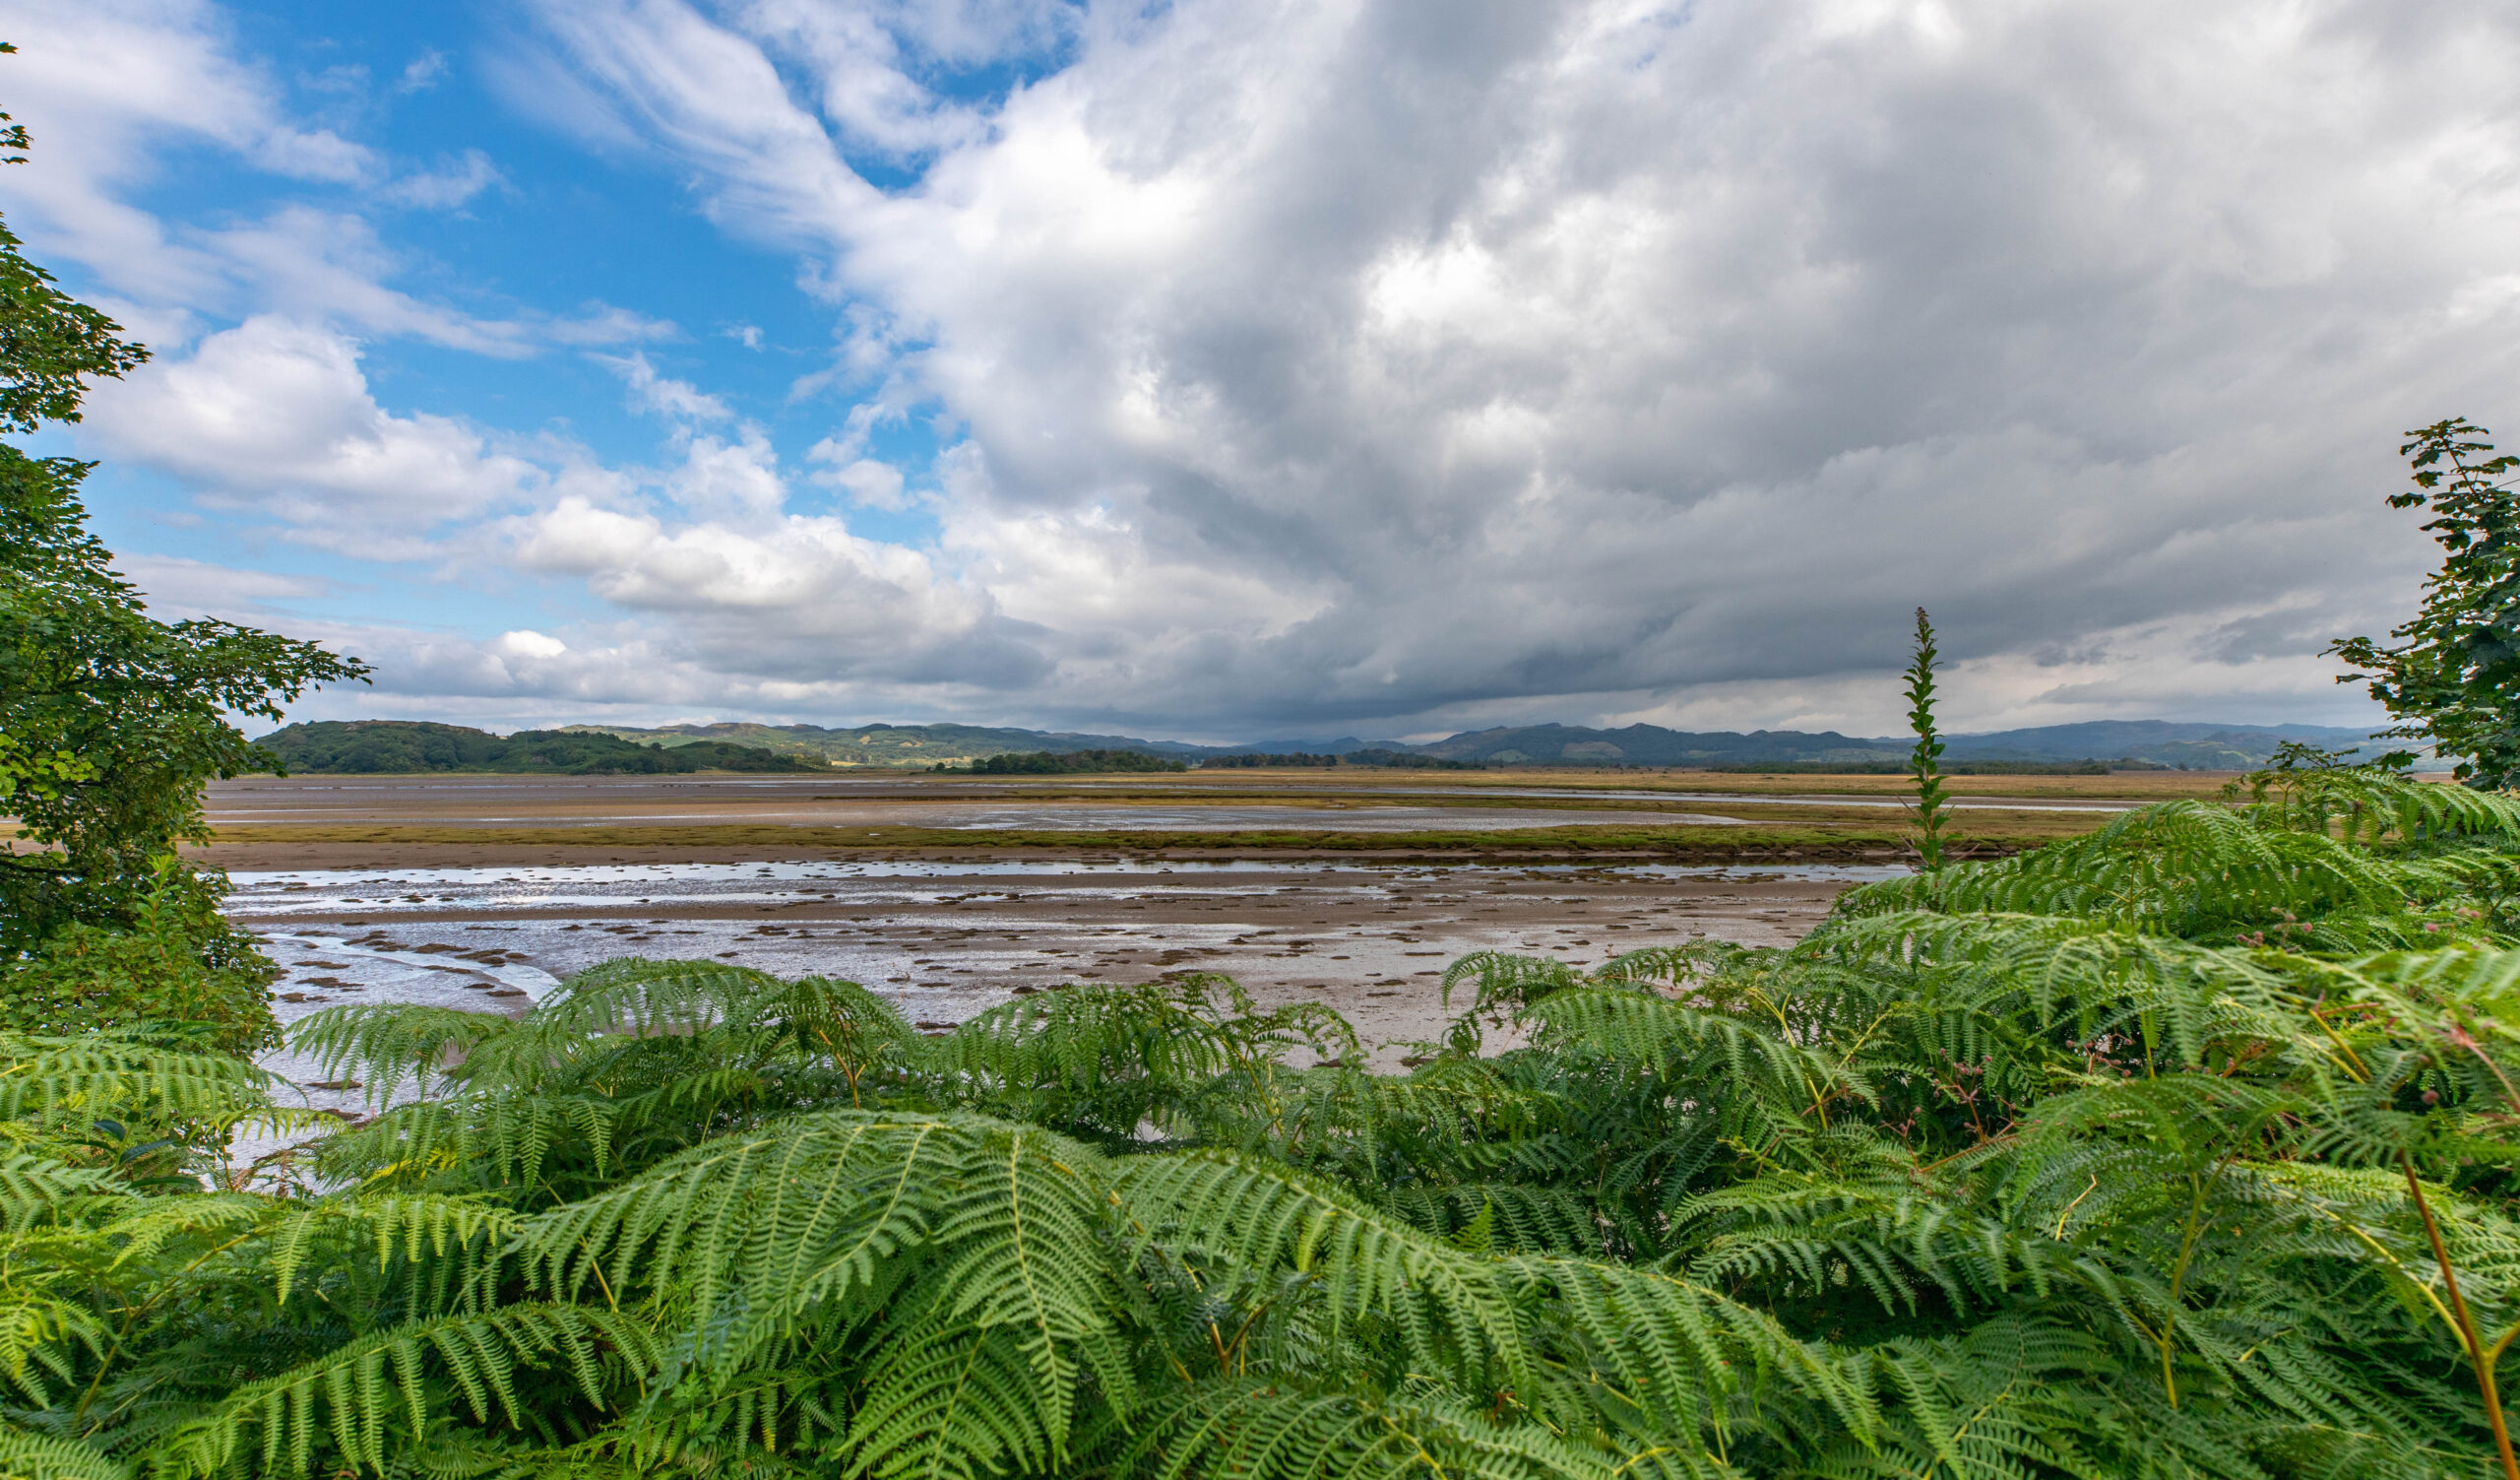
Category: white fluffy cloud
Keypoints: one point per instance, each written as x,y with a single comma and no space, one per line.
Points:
662,395
275,418
117,76
109,88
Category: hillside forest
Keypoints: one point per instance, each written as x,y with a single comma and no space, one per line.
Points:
375,747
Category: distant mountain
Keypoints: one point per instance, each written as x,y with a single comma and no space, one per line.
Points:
1654,745
1343,746
390,747
2199,746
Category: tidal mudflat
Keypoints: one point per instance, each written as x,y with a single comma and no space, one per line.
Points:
946,939
486,891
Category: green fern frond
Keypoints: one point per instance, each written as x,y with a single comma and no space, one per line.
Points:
1626,1345
2368,805
35,1188
37,1456
1105,1061
98,1075
411,1226
388,1045
45,1328
362,1403
2176,868
1669,1038
1249,1427
1505,982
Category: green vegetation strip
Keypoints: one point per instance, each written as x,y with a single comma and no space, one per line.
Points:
1697,842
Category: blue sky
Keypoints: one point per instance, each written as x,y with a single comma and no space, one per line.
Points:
542,223
1274,367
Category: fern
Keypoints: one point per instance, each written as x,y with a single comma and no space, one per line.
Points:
370,1396
37,1456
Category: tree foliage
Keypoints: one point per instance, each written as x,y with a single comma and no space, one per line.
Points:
110,721
131,713
2453,676
2154,1153
1069,763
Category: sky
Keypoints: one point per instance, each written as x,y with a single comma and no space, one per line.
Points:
1237,368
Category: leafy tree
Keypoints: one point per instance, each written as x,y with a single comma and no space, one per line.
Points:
2453,676
111,722
129,712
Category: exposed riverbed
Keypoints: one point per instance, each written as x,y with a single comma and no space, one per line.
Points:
946,939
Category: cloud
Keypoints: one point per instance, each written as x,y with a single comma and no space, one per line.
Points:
660,395
100,83
864,61
1333,364
451,184
656,67
176,587
112,88
709,573
274,419
332,265
1296,363
523,679
869,483
782,609
605,324
422,73
865,481
531,644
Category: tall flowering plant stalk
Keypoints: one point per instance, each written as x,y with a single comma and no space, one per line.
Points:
1925,763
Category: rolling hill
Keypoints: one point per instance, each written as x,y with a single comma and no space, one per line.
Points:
889,744
392,747
2198,746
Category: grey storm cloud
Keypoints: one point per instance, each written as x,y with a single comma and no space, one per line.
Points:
1524,354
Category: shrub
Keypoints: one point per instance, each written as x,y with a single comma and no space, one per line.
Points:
176,966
